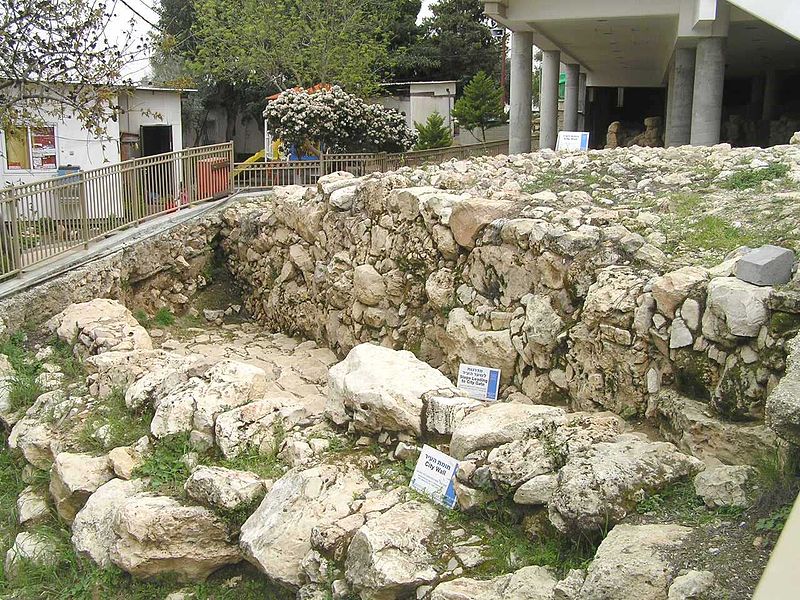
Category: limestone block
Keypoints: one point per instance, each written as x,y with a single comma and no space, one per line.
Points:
768,265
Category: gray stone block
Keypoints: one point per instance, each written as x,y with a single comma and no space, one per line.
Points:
768,265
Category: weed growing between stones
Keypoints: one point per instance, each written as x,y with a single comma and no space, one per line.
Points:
678,503
23,387
164,318
165,465
750,178
69,364
113,424
502,527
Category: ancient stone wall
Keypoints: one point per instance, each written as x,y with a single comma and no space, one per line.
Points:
165,270
572,297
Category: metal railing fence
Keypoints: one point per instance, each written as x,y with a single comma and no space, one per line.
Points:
272,173
42,220
47,218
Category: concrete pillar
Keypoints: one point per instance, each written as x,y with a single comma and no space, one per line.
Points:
582,102
519,124
548,99
770,95
709,78
679,99
571,97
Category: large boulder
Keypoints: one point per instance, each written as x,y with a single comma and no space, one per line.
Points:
75,477
157,535
473,346
671,289
379,389
118,370
529,583
250,427
726,485
783,404
598,488
195,404
469,217
277,536
388,557
734,309
499,423
100,325
634,562
92,530
226,489
32,548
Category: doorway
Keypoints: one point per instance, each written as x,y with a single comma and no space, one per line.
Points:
155,139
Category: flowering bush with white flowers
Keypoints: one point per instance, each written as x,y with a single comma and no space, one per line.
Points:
339,121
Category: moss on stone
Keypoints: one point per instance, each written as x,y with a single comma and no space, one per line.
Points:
695,374
781,324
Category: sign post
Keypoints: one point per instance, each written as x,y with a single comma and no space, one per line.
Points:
481,383
572,140
434,476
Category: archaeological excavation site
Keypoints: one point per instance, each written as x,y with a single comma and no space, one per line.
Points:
235,407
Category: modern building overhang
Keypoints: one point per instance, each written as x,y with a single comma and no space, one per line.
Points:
631,42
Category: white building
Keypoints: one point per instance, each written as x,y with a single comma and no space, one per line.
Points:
417,100
701,63
149,123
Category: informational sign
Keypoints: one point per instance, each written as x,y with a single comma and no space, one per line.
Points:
481,383
434,476
572,140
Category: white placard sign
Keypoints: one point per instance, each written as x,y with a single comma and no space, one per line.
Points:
481,383
434,476
572,140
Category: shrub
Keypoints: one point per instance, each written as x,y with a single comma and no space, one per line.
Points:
433,133
339,121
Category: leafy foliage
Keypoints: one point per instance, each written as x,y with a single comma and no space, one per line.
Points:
433,133
55,59
123,425
481,106
165,466
341,122
456,43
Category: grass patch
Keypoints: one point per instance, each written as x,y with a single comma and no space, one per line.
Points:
124,425
67,362
684,205
679,503
23,389
164,318
750,178
510,547
75,578
164,466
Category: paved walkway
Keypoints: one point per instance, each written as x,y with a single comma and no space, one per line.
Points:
62,263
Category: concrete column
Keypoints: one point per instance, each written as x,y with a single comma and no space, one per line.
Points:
709,78
548,99
519,125
679,99
582,102
571,97
770,95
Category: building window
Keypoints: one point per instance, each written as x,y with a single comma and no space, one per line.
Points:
31,148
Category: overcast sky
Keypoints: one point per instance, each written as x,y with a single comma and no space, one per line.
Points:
124,14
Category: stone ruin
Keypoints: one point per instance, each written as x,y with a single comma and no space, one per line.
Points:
630,361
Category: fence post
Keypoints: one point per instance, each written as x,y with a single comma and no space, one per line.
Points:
84,211
231,156
16,246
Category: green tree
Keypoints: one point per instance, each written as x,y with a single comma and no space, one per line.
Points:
481,106
457,42
433,133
